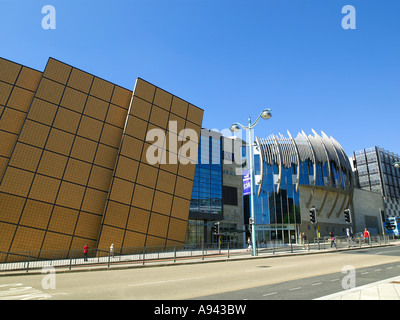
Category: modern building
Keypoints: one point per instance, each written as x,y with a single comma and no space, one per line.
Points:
375,172
217,192
232,228
206,202
85,161
292,175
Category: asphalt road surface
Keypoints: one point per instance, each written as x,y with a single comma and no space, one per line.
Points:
285,277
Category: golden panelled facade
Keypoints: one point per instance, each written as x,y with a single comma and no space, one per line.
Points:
73,167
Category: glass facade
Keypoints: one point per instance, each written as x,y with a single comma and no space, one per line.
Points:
206,205
195,232
207,184
280,166
276,213
375,172
368,170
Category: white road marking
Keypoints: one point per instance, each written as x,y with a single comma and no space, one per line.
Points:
18,292
316,284
269,294
295,289
387,251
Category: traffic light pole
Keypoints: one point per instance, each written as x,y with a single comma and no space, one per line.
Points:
216,231
313,220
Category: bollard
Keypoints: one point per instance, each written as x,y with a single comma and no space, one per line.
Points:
29,259
70,259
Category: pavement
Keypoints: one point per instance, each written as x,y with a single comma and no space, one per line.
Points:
388,289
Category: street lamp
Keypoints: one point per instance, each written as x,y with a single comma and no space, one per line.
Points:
396,165
265,114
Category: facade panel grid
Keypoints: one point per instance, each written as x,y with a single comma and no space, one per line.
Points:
73,163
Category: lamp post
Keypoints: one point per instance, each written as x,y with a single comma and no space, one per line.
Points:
396,165
265,114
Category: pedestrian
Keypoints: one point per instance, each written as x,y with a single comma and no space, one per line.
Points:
85,252
349,235
112,250
332,239
304,237
249,244
366,235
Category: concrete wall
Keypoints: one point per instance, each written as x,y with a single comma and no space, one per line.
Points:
366,208
365,211
330,215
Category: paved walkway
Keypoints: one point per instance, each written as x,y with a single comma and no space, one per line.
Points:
388,289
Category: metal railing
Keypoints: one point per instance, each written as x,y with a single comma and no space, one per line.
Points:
325,243
101,257
31,260
353,242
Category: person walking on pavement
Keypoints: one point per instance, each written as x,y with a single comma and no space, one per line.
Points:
332,239
349,235
366,235
249,244
305,243
85,252
112,250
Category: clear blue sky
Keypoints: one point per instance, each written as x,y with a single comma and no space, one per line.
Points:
233,58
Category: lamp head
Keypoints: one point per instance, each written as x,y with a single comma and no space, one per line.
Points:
266,114
396,165
235,127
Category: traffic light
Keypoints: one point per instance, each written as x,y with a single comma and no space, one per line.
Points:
216,228
313,215
390,225
347,216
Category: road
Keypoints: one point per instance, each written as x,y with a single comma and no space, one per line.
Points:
286,277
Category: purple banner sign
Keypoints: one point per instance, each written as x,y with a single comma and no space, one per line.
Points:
246,183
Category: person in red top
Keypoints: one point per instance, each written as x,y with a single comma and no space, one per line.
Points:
366,235
85,252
